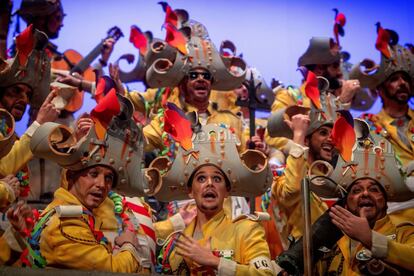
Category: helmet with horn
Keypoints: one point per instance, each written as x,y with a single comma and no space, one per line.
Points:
30,66
193,49
373,157
119,147
394,58
248,173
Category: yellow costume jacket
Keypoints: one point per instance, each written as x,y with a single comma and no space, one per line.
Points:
403,153
223,100
105,216
391,243
69,242
19,155
239,243
286,189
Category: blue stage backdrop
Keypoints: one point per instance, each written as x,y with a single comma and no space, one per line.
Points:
270,34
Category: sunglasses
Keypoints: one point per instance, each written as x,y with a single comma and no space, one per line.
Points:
195,75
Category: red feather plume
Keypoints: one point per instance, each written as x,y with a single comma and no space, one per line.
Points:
176,39
139,40
312,90
25,44
343,134
179,128
382,41
104,111
104,85
340,21
170,16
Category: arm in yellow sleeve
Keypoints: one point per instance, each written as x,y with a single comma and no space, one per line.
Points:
283,99
137,100
399,252
20,153
140,100
254,250
11,246
5,251
166,227
278,143
6,195
153,133
70,243
287,187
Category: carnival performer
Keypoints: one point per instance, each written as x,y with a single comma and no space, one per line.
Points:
208,169
393,79
23,79
96,163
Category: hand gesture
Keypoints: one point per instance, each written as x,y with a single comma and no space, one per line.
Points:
14,184
259,144
188,212
127,237
348,90
299,124
108,47
73,79
357,228
48,112
114,74
83,126
191,249
21,218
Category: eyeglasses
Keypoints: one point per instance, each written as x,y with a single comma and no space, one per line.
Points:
194,75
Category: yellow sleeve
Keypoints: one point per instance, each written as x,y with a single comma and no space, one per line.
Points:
70,243
6,196
278,143
401,251
5,251
11,246
139,99
17,158
166,227
283,99
286,188
255,252
152,133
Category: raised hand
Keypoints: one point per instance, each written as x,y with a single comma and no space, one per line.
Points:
108,47
259,144
188,212
348,90
114,74
299,124
83,126
48,112
357,228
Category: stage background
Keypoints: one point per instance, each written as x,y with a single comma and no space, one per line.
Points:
270,34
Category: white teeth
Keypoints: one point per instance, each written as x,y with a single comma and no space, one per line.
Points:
327,147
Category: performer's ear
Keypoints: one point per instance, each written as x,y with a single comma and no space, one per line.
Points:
190,193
